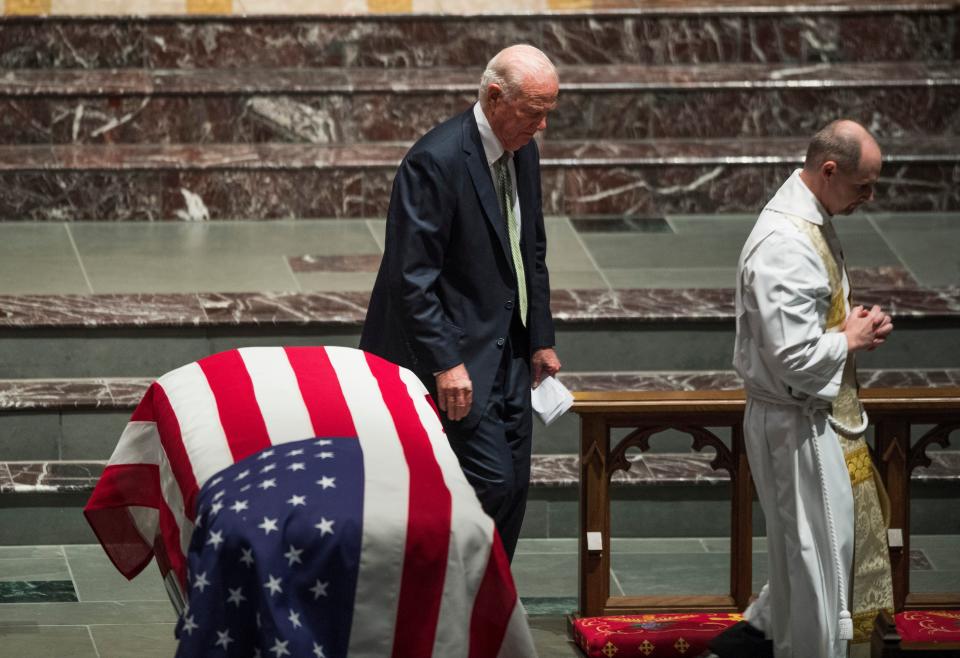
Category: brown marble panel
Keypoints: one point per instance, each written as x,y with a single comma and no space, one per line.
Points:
34,311
126,392
652,381
267,194
918,186
690,468
54,477
53,43
20,394
887,276
284,308
6,479
912,302
868,37
73,195
663,190
377,185
387,117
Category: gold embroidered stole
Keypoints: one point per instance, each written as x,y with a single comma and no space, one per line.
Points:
872,586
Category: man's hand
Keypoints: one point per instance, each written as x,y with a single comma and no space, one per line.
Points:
544,364
866,330
455,392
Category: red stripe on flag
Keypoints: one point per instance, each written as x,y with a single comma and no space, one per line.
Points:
428,521
119,487
494,604
169,553
321,391
172,441
240,415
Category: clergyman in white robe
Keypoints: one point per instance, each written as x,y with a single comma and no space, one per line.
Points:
792,370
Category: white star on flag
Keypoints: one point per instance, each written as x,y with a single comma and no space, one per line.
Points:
280,648
318,651
324,442
297,500
325,526
245,487
216,538
189,626
325,455
239,506
327,482
215,481
268,468
216,507
268,526
267,484
201,581
236,596
265,454
247,557
295,619
242,474
320,589
273,585
219,494
293,555
296,466
294,453
223,638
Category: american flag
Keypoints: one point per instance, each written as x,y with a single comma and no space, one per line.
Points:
413,565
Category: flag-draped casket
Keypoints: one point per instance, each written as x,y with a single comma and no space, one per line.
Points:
306,502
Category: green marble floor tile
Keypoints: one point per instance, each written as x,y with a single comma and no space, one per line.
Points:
37,591
46,642
86,613
934,581
565,251
38,258
546,547
335,281
644,545
549,605
34,569
655,250
671,277
648,574
722,545
98,580
545,575
140,640
739,224
30,552
550,637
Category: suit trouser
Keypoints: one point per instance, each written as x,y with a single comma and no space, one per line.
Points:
495,453
799,607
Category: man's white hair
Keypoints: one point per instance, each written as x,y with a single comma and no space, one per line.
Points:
511,66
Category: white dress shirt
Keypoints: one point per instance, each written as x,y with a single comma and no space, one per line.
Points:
494,150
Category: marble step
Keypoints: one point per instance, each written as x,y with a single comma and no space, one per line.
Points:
580,177
351,105
82,418
677,34
128,335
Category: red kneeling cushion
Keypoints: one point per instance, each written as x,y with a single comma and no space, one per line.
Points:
929,626
650,636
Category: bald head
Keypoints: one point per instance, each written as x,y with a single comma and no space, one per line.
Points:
843,142
515,68
842,166
517,92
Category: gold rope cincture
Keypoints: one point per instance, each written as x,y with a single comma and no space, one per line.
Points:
872,586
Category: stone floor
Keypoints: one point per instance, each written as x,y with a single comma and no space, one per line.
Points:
58,601
884,250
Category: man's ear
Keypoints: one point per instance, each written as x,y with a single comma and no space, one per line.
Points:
828,169
494,94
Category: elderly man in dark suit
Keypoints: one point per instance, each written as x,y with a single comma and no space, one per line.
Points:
463,297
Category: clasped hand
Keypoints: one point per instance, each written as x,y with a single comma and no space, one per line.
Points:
867,330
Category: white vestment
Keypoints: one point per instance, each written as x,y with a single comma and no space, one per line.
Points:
791,368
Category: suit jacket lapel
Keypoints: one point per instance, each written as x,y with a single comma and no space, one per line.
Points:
480,173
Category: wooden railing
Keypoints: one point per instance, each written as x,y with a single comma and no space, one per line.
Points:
892,413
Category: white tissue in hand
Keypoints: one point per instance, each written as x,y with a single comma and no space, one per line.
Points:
550,400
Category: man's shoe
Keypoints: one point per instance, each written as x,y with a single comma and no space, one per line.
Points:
741,641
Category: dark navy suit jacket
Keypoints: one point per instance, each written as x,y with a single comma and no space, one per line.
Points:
446,290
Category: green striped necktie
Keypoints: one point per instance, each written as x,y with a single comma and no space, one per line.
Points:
513,229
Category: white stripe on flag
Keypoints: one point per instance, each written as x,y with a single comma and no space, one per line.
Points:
170,491
278,394
196,410
385,501
518,641
139,444
471,534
